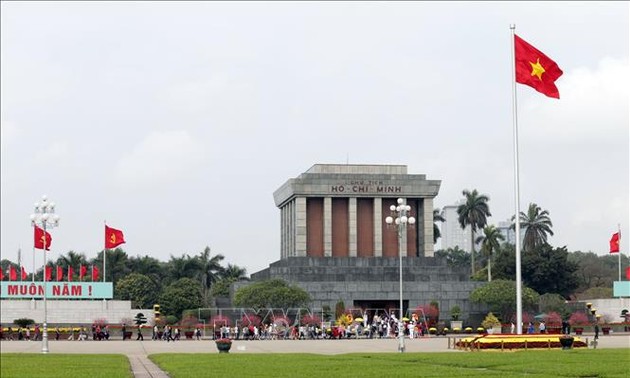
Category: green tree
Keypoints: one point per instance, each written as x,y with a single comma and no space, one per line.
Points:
210,270
490,242
139,289
537,225
116,266
473,213
183,294
551,302
150,267
183,267
455,257
73,259
273,293
500,297
548,270
437,217
229,275
593,271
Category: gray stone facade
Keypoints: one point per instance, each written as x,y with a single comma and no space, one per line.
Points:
360,281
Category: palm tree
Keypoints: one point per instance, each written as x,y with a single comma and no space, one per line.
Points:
210,270
234,273
490,243
437,217
537,225
183,267
474,212
73,259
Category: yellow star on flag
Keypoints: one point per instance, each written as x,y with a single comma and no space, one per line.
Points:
537,69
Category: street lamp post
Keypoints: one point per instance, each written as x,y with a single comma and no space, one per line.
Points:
44,217
400,217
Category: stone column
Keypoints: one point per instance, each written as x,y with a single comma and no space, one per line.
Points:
283,242
327,226
378,227
352,224
291,228
300,226
428,227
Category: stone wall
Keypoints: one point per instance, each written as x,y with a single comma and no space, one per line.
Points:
69,312
330,280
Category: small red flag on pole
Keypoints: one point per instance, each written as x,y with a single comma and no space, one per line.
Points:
49,273
59,273
42,237
94,273
614,243
113,237
82,272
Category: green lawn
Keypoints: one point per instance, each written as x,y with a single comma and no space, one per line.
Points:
24,365
538,363
533,363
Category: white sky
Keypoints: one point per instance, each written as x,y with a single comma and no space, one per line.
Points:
175,122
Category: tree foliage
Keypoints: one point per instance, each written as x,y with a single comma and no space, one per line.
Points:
138,288
490,242
273,293
473,213
500,296
185,293
548,270
537,225
455,257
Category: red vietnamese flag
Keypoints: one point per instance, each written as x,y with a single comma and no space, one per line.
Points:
12,273
70,273
40,239
24,275
82,272
94,273
628,273
59,273
614,243
535,69
1,275
113,237
48,273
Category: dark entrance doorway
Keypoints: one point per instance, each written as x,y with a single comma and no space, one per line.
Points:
380,308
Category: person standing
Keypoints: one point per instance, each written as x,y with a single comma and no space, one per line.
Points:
541,327
124,330
140,337
512,328
596,331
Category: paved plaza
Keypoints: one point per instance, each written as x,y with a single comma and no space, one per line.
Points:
142,367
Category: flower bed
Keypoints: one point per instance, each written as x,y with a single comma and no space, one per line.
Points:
515,342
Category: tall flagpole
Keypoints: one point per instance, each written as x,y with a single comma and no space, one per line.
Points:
34,262
104,249
517,211
20,261
619,254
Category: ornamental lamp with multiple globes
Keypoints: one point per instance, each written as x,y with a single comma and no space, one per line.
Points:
45,218
400,218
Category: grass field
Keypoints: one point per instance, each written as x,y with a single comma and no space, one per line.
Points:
613,363
539,363
22,365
